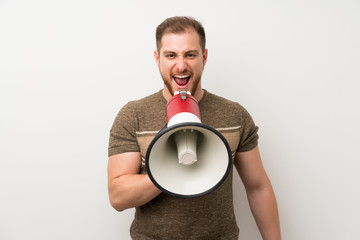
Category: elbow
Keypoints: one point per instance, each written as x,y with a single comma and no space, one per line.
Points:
117,200
117,204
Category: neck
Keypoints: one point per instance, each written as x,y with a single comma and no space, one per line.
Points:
199,94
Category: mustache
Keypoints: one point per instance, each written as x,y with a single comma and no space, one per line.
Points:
185,71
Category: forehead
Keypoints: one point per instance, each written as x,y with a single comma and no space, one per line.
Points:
179,42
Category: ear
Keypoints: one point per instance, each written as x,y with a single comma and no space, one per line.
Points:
157,57
205,56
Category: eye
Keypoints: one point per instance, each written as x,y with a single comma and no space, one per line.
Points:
191,55
170,55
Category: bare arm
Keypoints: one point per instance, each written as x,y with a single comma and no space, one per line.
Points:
260,193
127,188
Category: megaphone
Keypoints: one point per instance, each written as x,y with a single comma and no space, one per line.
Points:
187,158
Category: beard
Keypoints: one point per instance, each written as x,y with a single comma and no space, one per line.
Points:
168,81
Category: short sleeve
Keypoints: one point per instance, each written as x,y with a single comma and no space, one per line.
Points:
123,132
248,133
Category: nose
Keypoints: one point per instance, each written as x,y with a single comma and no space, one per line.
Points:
181,64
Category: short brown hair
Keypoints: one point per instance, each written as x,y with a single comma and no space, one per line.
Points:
179,25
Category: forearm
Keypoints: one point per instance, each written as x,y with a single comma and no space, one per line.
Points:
131,190
264,208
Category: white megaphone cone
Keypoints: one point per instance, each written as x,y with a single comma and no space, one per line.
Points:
187,158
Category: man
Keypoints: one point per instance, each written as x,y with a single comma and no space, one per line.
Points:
181,56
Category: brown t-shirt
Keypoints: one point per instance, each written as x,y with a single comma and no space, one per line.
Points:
166,217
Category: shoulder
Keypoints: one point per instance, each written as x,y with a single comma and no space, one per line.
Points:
220,103
144,105
134,107
148,101
147,114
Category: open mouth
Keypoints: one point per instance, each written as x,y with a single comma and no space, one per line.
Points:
181,80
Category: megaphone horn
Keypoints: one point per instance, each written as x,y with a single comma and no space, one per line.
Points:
187,158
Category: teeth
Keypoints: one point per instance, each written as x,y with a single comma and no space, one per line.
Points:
182,76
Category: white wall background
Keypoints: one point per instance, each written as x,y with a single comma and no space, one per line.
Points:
66,68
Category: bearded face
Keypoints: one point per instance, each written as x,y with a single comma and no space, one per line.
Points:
181,62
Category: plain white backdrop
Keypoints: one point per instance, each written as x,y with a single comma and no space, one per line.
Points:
67,67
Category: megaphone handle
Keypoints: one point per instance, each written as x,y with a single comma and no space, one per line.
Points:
185,141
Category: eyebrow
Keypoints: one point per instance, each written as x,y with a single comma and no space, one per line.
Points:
166,52
192,51
187,52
